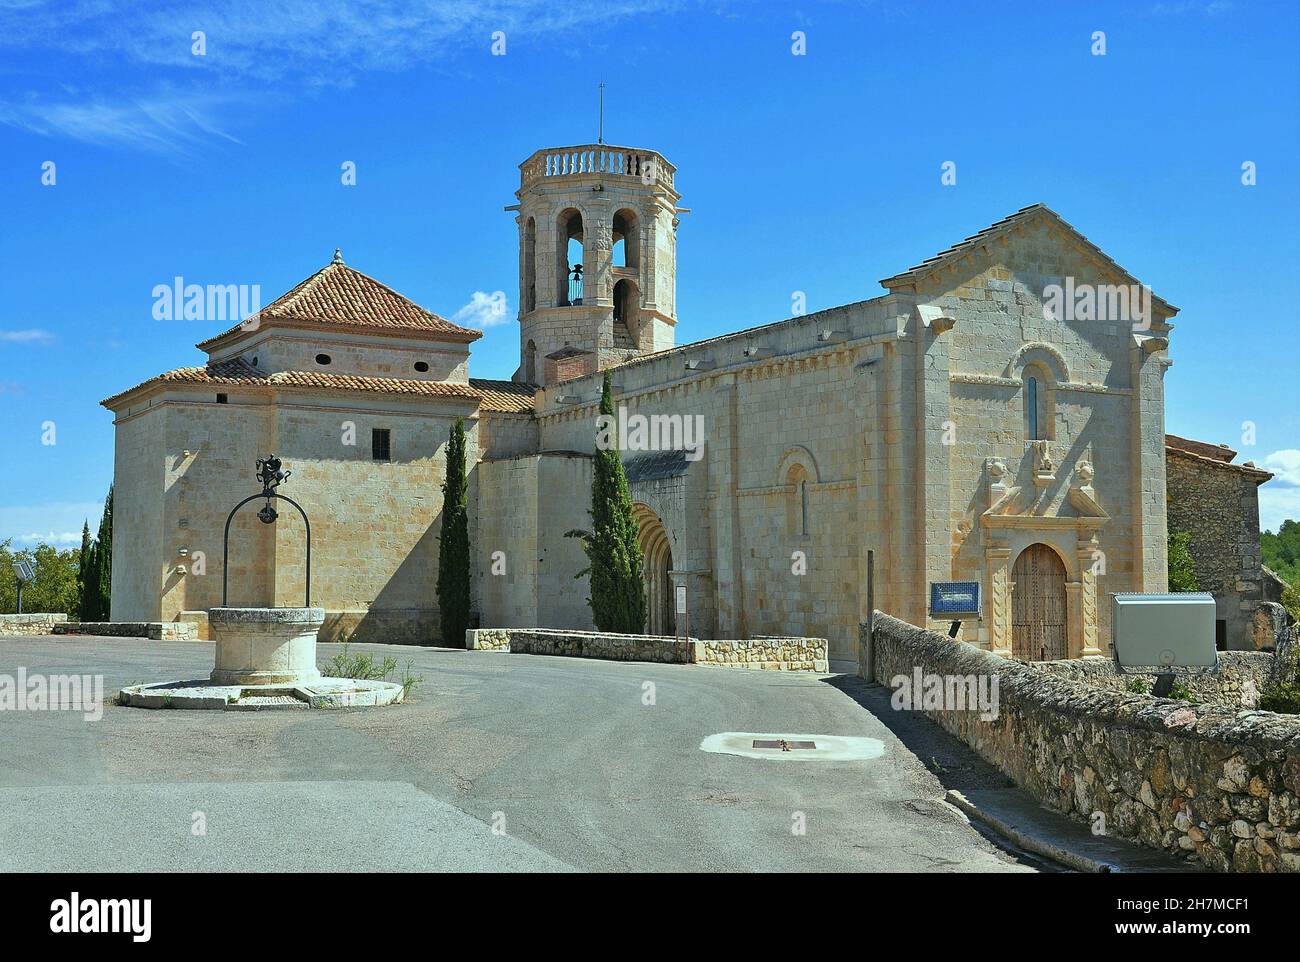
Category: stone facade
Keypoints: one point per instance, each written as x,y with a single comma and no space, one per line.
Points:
1217,785
899,425
1217,503
37,623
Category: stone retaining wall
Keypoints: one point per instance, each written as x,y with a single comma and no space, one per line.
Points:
1237,684
153,630
37,623
776,653
770,652
584,644
1213,784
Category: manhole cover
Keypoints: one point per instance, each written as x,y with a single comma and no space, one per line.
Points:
794,746
781,744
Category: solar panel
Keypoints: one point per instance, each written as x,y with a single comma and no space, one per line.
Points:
23,568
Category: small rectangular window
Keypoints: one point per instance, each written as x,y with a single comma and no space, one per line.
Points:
381,444
223,399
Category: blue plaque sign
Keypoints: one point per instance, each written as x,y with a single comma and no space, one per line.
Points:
955,598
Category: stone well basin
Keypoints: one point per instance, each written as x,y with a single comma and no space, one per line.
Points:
265,646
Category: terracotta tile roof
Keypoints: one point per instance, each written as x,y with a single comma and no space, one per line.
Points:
1213,455
338,296
239,372
1019,218
505,396
1220,452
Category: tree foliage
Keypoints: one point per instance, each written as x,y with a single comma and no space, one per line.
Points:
453,544
1182,570
95,572
1281,553
54,588
612,547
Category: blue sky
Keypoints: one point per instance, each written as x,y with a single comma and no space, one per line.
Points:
818,173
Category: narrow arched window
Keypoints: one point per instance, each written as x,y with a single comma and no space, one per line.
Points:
803,506
1031,403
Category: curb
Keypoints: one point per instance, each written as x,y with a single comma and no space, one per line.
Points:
1030,843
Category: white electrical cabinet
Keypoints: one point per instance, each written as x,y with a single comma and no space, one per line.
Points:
1173,630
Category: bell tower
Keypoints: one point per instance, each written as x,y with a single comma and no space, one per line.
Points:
597,259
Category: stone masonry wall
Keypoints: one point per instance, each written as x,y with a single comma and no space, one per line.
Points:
37,623
1218,505
773,653
1241,677
153,630
585,644
1212,784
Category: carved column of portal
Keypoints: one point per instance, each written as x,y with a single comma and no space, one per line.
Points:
999,567
1087,616
1073,619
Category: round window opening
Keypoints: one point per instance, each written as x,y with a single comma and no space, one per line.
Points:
422,367
322,359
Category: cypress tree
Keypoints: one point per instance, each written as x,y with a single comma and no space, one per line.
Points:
617,594
97,582
453,544
83,569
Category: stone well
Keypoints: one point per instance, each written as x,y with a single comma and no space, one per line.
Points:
265,646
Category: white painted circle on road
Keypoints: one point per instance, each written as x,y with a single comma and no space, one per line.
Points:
830,748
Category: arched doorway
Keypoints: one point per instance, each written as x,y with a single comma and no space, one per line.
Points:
1038,628
656,563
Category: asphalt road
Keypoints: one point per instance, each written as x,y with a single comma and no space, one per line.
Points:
497,762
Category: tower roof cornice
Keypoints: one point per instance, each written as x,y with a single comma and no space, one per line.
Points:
600,161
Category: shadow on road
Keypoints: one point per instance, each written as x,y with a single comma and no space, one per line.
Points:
952,762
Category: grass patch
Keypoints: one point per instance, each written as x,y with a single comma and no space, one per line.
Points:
363,667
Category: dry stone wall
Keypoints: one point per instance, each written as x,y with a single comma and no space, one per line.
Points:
1216,785
37,623
1238,683
773,653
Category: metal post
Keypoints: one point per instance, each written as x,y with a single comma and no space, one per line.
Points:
269,473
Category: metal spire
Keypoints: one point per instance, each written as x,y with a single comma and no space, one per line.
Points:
600,129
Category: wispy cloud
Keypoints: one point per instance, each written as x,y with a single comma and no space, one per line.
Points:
151,91
54,539
58,519
175,125
1279,499
30,336
1285,465
483,310
1212,8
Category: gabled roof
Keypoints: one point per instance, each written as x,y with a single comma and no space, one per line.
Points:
238,372
1020,218
1219,452
1213,456
342,298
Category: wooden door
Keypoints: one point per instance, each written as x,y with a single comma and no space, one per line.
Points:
1038,605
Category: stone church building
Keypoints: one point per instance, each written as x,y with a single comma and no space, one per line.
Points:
960,425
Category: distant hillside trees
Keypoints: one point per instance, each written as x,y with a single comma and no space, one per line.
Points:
1281,553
